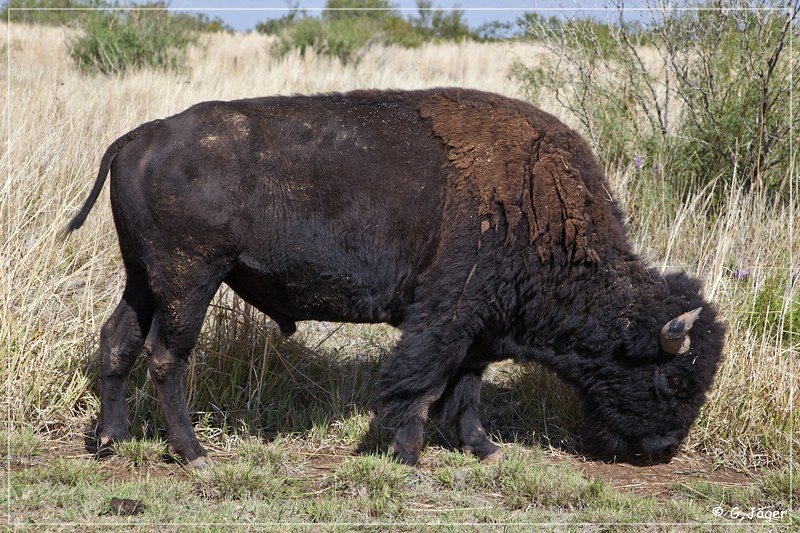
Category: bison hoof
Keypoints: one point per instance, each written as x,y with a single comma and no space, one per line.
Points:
108,438
202,462
487,452
405,457
493,458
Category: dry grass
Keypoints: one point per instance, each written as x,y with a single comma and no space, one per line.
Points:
55,294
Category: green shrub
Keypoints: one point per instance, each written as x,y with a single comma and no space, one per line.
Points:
278,25
117,41
578,33
358,10
495,30
699,98
200,22
343,34
737,95
440,24
302,34
64,12
347,27
57,13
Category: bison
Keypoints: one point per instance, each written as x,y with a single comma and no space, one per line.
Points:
480,226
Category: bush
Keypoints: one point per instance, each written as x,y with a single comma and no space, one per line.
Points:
700,98
278,25
59,12
200,22
118,41
358,10
343,34
441,24
347,27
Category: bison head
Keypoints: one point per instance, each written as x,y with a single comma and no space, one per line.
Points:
646,398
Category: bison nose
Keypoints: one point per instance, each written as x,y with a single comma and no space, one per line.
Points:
660,446
668,449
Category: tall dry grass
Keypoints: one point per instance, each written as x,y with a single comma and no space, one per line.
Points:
56,293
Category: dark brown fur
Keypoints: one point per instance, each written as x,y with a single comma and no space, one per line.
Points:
481,226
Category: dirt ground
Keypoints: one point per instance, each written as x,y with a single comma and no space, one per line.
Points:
657,479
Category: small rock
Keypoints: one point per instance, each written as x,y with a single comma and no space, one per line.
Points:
126,507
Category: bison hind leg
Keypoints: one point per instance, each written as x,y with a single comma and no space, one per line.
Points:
474,440
121,340
181,302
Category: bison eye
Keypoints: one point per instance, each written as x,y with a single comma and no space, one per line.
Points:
677,384
670,385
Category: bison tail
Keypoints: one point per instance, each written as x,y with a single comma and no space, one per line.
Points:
105,164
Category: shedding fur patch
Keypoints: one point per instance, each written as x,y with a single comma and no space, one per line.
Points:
502,161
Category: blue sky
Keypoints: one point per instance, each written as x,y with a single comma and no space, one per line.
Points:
243,14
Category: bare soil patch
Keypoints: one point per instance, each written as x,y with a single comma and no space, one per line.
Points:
657,479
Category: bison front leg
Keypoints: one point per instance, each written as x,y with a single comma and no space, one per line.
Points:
459,404
473,438
413,379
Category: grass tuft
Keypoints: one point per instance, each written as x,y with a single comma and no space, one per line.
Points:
73,472
278,456
237,481
20,446
141,452
525,483
376,480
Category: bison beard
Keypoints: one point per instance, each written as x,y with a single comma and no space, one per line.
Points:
480,226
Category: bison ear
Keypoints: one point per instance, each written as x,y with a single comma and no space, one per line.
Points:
638,342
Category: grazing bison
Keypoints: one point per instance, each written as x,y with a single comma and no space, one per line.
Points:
480,226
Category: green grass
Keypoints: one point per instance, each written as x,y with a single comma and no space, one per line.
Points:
278,455
240,480
281,482
771,500
141,452
525,482
20,446
775,489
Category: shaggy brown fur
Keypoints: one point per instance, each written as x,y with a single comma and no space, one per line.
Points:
495,153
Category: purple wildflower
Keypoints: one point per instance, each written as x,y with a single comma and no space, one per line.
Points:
639,161
740,274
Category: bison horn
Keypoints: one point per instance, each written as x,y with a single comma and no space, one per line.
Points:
675,333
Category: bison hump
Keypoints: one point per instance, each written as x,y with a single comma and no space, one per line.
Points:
515,171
